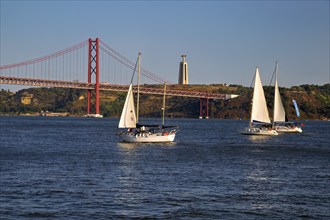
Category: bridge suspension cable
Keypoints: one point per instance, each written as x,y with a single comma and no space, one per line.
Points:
47,57
120,58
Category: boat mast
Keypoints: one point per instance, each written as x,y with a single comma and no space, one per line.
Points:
138,88
254,86
163,122
275,87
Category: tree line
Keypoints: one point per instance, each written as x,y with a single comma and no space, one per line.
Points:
313,102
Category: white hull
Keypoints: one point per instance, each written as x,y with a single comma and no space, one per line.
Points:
147,138
285,129
258,131
93,116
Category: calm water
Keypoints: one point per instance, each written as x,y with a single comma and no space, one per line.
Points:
75,168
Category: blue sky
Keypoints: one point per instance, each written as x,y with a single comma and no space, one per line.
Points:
223,40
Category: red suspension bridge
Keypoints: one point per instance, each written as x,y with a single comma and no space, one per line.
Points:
94,66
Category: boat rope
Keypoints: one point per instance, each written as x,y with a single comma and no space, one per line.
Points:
271,80
137,60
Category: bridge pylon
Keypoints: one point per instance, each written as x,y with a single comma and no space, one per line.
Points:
93,95
204,108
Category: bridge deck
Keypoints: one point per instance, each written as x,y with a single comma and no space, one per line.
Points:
109,87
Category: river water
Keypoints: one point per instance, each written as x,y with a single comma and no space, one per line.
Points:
76,168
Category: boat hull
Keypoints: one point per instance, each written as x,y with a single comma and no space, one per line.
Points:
147,138
93,116
284,129
257,131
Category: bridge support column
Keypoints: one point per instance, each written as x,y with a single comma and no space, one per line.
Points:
93,96
204,108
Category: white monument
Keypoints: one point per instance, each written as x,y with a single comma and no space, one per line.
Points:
183,71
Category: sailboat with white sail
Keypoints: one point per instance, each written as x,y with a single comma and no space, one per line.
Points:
139,133
280,124
260,122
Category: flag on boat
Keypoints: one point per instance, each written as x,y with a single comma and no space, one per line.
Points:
296,107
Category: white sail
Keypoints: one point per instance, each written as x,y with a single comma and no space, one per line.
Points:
128,117
259,106
279,113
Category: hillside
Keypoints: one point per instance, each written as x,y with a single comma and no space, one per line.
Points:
313,101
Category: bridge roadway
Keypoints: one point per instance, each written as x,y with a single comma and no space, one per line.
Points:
109,87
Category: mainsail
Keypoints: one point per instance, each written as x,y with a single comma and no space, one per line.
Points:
128,117
279,112
296,107
259,106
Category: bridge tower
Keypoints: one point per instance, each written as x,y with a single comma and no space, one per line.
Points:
204,108
93,95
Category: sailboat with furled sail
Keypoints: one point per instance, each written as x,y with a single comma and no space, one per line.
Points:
139,133
260,123
280,124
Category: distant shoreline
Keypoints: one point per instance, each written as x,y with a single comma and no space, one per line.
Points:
110,117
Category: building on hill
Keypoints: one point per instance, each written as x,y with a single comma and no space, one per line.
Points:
26,98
